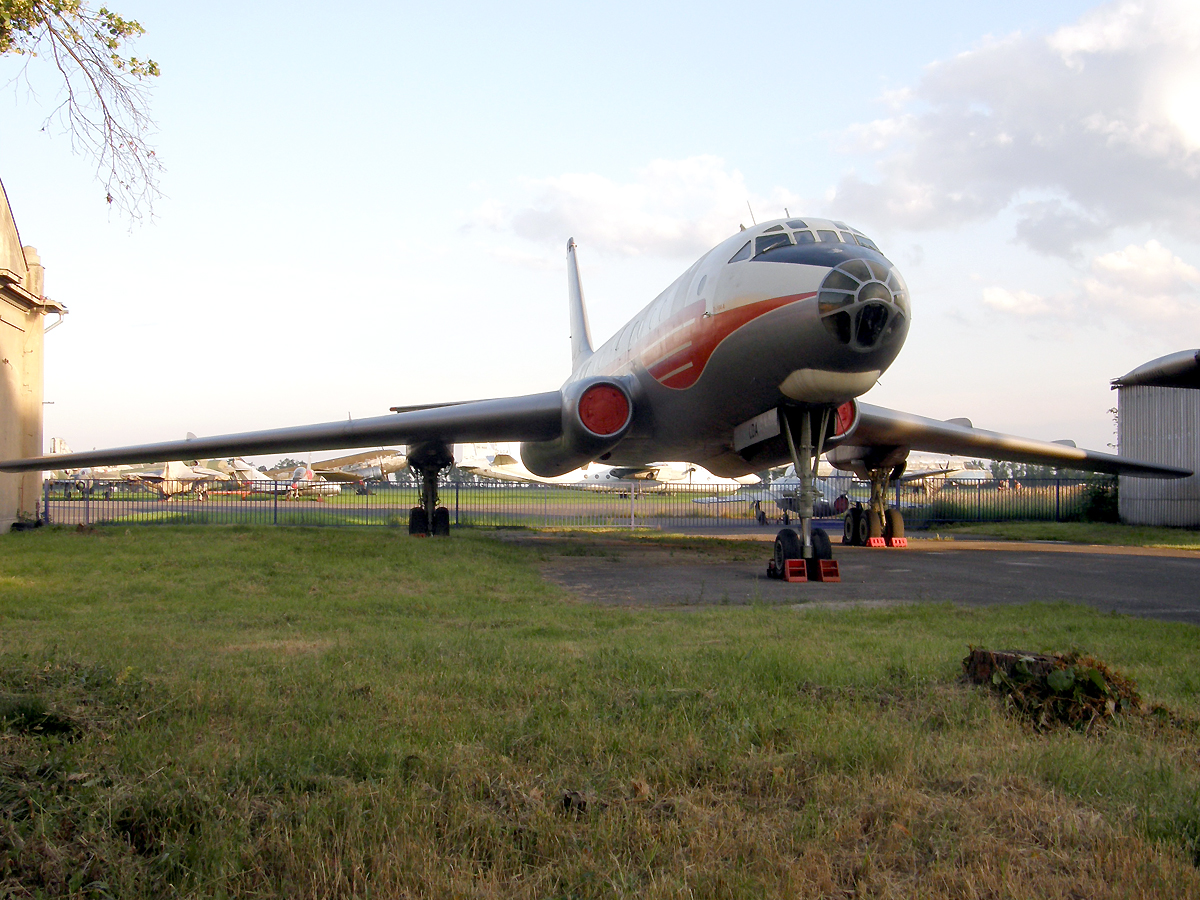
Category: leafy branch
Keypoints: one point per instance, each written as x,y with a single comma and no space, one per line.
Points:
105,103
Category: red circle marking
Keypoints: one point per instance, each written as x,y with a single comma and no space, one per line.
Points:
603,409
844,416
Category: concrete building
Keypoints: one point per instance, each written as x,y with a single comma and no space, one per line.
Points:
23,309
1159,421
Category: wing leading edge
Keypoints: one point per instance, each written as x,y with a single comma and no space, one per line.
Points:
533,417
878,427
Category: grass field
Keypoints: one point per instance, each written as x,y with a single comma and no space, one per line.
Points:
1081,533
240,712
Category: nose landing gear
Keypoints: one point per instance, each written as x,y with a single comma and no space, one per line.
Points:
811,544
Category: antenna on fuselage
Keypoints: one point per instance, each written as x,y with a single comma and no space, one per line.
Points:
753,221
581,333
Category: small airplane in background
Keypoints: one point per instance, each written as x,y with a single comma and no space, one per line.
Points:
487,461
174,478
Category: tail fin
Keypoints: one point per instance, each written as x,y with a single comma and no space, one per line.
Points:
581,334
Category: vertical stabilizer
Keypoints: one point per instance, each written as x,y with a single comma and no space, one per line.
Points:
581,333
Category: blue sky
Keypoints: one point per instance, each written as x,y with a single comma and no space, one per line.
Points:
369,206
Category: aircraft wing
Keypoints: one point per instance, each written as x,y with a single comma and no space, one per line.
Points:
533,417
881,427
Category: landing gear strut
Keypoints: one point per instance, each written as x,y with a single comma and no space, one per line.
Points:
429,460
811,545
877,525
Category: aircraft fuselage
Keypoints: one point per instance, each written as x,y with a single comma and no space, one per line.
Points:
775,314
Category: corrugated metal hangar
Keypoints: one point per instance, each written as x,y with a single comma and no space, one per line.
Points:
1158,415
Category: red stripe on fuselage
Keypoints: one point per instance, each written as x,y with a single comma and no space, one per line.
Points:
678,360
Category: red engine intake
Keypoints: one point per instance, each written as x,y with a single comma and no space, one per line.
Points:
604,410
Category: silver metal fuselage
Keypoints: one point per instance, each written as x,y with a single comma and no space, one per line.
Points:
729,340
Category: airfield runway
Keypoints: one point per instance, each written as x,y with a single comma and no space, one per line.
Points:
1156,584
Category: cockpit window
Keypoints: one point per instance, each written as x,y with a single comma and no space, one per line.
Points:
796,223
804,237
766,242
773,228
866,241
847,237
841,225
744,253
828,237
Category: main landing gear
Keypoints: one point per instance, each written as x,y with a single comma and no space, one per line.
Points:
877,525
812,545
429,460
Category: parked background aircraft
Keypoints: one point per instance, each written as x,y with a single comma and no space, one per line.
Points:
487,461
753,357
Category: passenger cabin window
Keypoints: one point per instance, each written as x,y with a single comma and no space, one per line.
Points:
744,253
804,237
828,237
769,241
796,223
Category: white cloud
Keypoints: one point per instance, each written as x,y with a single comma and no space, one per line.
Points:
1102,118
1017,303
1147,283
671,208
1145,288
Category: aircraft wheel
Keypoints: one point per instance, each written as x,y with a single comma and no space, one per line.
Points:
874,525
850,527
862,527
822,547
893,526
418,522
441,521
787,546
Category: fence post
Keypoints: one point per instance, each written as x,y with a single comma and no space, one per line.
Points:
46,502
632,505
275,503
456,486
87,506
1057,499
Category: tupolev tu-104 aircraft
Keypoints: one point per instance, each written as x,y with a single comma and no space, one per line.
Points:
752,358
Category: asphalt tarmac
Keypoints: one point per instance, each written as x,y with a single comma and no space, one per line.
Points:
1157,584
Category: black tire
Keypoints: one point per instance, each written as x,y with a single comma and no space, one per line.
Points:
787,546
874,525
893,526
418,522
862,527
822,546
441,521
850,527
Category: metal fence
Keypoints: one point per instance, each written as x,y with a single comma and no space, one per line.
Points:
504,503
